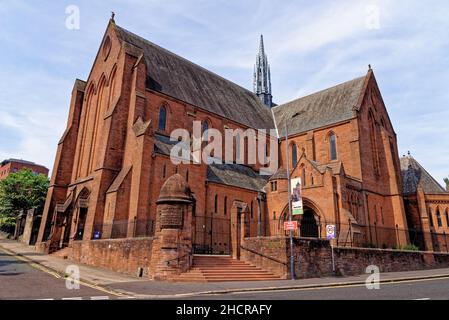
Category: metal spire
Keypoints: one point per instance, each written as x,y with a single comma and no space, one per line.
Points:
262,76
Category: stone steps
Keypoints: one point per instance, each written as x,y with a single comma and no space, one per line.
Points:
223,269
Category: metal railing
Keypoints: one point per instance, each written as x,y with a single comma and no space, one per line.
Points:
369,236
121,229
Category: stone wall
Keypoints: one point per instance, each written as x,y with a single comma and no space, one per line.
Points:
120,255
268,253
313,258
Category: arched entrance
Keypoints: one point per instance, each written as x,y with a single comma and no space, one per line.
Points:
308,225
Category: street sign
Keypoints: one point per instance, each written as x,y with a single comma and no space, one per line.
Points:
331,231
291,226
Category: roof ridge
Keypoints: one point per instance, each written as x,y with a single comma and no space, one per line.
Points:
186,60
320,91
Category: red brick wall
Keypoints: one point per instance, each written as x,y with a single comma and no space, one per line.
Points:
122,255
313,258
13,167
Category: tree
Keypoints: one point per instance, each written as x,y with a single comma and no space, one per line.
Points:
19,192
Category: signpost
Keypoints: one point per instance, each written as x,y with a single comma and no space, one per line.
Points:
331,234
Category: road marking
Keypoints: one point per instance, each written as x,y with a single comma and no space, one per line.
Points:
392,282
74,298
57,275
422,299
99,298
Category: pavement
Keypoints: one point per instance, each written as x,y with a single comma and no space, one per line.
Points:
118,285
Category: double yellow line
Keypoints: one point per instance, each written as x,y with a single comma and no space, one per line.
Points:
58,275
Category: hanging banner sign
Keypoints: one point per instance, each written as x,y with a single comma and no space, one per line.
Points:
297,206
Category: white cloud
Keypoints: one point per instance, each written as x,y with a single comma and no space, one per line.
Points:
310,46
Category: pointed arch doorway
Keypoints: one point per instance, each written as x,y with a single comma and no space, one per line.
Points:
309,223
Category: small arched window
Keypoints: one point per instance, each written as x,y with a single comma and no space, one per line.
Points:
294,156
312,180
238,151
430,218
373,137
252,209
205,130
187,176
333,147
225,206
216,203
447,218
304,182
164,171
162,118
440,224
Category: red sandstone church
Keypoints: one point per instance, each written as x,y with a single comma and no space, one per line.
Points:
113,177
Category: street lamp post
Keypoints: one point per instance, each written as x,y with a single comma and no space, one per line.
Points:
290,217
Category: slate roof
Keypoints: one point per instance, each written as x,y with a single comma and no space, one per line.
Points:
414,176
281,174
320,109
163,145
236,175
228,174
179,78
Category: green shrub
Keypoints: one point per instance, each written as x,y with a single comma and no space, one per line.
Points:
410,247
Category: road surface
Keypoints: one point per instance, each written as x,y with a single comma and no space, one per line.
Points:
436,289
21,280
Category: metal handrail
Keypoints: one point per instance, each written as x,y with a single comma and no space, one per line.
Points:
264,256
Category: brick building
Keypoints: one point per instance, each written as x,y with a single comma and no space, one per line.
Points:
13,165
427,205
114,157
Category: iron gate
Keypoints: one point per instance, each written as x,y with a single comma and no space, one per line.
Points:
212,235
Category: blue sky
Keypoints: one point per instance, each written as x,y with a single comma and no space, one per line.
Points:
310,46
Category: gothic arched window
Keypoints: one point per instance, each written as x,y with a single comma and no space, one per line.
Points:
162,118
237,148
333,147
373,136
440,224
205,130
430,218
225,206
447,218
294,155
304,182
216,203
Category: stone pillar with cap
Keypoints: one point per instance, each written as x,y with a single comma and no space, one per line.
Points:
172,251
